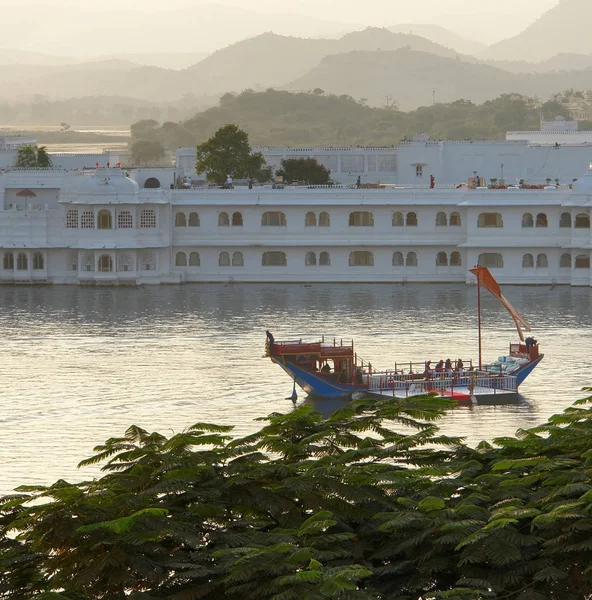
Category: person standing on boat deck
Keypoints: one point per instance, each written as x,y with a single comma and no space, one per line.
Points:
359,182
448,367
250,182
440,367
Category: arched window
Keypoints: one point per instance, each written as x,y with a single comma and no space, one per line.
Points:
148,218
411,259
527,221
361,218
325,259
311,259
105,263
411,219
38,262
104,219
398,220
582,262
441,220
273,219
237,259
180,220
125,263
224,259
456,259
22,262
223,220
147,261
124,219
72,218
542,261
442,259
310,220
237,219
152,183
455,220
274,259
194,260
582,222
193,219
490,220
565,220
398,260
324,220
361,258
8,262
565,261
541,220
87,221
527,261
181,259
87,263
491,260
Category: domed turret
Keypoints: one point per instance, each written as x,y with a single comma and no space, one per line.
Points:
583,186
108,185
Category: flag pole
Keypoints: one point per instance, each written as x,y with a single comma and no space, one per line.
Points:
479,315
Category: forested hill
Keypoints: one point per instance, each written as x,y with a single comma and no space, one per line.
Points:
278,118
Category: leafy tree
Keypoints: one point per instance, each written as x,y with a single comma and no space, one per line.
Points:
228,152
33,157
305,170
146,151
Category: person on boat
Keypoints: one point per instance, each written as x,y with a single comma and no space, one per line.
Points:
326,368
359,376
448,367
270,340
459,365
440,368
429,372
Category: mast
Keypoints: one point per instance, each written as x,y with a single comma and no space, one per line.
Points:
479,320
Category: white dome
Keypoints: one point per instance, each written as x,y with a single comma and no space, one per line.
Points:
108,184
584,184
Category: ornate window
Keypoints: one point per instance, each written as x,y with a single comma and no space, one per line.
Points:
361,258
237,259
310,220
490,220
8,261
527,261
72,262
237,219
38,262
441,220
193,219
456,259
22,262
411,219
582,262
87,220
274,259
148,218
124,219
224,259
147,262
582,221
527,221
398,220
311,259
105,263
361,219
419,171
411,259
125,262
324,219
223,220
398,260
72,218
325,259
455,220
541,220
491,260
181,259
442,259
180,220
273,219
565,220
542,261
104,219
565,261
194,260
88,262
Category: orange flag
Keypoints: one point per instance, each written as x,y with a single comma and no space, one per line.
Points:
486,280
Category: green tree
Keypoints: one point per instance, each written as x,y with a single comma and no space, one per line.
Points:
228,152
304,170
146,151
33,157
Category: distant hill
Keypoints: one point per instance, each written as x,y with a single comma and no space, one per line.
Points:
563,29
560,62
10,56
164,60
442,36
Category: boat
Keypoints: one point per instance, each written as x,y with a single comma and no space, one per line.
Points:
331,368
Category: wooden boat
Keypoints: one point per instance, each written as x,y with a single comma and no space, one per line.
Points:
332,368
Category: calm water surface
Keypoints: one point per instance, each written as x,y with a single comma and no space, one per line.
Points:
80,365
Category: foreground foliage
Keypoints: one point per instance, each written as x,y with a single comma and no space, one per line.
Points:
371,503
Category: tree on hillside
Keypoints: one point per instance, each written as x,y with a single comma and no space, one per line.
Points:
146,151
304,170
228,152
33,157
144,129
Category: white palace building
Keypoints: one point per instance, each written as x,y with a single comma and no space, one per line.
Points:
101,227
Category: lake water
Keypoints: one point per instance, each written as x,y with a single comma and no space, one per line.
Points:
79,365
